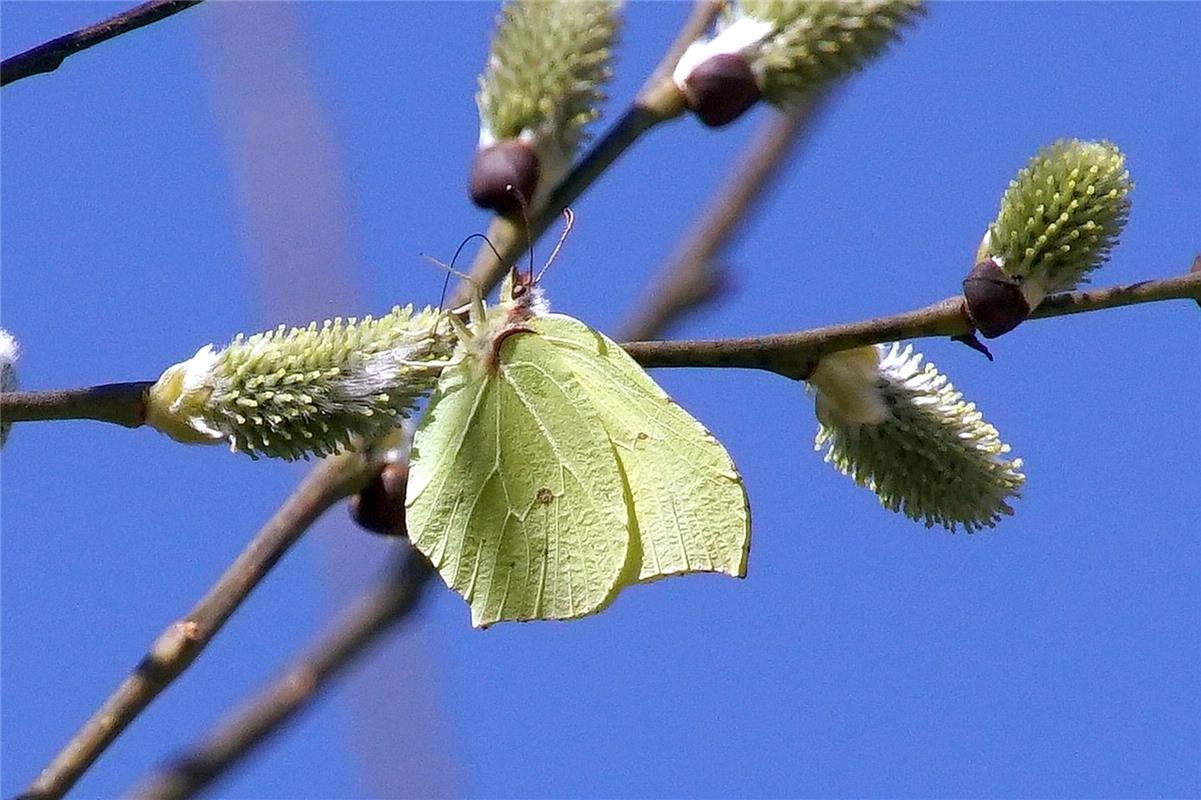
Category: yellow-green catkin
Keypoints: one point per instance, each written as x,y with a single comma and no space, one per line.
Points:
1060,217
546,72
305,391
811,43
902,430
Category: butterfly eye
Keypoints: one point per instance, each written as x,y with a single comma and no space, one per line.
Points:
519,290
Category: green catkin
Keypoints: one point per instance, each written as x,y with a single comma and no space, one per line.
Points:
549,62
913,440
305,391
1061,216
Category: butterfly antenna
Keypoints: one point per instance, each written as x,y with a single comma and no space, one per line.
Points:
525,218
568,221
450,269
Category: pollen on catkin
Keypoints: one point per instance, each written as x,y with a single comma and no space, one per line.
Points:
305,391
903,431
1060,217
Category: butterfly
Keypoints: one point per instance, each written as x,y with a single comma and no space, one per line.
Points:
550,471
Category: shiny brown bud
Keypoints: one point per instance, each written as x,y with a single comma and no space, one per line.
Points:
498,170
995,303
380,505
721,88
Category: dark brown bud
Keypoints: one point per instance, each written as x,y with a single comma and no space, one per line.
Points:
380,505
995,303
498,170
721,88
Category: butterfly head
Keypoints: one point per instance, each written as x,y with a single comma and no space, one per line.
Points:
522,297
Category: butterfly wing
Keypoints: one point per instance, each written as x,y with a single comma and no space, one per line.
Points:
690,505
516,494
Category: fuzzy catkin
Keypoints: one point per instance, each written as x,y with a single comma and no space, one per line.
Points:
306,391
1061,216
912,439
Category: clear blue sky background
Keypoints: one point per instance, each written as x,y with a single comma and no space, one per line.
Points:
1059,655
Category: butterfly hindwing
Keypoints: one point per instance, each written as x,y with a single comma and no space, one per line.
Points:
690,506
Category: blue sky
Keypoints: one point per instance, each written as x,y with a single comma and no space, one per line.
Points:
240,166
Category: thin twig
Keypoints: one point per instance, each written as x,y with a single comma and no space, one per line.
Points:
350,638
691,276
659,100
789,354
182,641
118,403
50,55
794,354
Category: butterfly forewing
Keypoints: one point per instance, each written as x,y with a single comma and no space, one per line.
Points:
517,495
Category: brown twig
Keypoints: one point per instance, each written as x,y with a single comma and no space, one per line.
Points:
658,100
794,354
118,403
50,55
182,641
788,354
691,276
238,736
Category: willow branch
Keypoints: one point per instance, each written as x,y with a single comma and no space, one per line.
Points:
658,100
118,403
691,276
793,355
50,55
789,354
182,641
239,735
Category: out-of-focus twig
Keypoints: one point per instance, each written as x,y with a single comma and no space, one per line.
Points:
238,736
49,56
692,276
659,100
182,641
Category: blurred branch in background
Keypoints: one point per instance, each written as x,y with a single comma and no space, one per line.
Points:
237,737
50,55
182,641
693,275
390,603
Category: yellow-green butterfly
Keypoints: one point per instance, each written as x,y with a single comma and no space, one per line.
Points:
550,471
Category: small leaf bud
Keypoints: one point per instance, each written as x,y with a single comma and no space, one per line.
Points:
380,505
720,89
498,170
995,303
